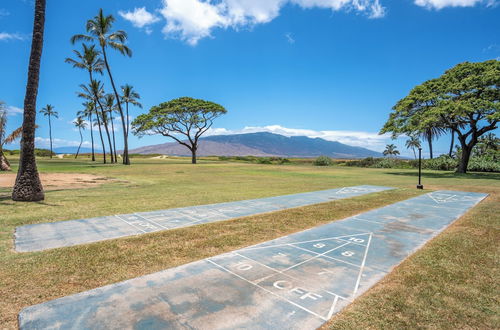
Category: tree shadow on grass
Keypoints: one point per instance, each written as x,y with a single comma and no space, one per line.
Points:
450,175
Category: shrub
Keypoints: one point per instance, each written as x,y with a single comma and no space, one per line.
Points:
264,160
323,161
385,163
441,163
482,164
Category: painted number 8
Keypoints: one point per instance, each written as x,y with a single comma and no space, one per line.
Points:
356,240
348,253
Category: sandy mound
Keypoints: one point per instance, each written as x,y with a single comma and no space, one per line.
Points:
53,181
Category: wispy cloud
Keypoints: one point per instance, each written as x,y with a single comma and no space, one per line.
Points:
12,110
41,142
4,12
370,140
289,38
440,4
193,20
5,36
140,18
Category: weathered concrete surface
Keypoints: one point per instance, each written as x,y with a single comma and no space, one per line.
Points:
294,282
51,235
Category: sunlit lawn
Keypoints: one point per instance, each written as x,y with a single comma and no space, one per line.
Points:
451,283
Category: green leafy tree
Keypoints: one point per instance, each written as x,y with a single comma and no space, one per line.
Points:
464,100
390,150
184,117
413,143
28,187
99,30
81,124
49,112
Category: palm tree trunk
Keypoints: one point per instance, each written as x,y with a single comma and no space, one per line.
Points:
452,143
128,124
429,140
414,153
106,128
102,139
126,160
92,137
81,141
113,133
50,136
28,186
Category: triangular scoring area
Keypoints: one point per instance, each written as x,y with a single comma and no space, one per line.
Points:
442,198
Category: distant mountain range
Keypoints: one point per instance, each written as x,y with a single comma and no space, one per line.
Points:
262,144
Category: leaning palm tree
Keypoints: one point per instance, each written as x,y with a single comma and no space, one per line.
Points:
130,96
49,112
99,30
391,150
81,124
28,186
413,143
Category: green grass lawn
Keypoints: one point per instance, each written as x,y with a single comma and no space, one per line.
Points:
451,283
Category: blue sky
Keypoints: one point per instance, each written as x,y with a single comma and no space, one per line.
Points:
321,68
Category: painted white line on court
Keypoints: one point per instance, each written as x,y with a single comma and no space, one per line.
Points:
128,223
316,256
362,265
140,216
332,309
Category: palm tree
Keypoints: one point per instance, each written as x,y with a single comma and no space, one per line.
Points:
48,111
81,124
413,143
99,30
109,103
129,96
391,150
88,113
28,186
430,134
95,91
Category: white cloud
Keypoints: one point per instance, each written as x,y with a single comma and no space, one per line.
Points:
4,12
289,38
12,110
440,4
370,140
192,20
5,36
41,142
140,18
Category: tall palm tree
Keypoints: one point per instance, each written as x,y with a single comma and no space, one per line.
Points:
109,103
81,124
28,186
413,143
99,30
130,96
391,150
48,111
88,112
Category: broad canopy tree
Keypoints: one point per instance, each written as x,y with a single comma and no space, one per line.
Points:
184,119
464,100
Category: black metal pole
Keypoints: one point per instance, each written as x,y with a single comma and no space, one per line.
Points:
420,186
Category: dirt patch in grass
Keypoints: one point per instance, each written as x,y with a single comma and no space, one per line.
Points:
57,181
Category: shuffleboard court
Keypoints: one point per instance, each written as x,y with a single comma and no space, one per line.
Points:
294,282
51,235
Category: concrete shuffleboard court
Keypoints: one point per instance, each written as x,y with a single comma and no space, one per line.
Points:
294,282
51,235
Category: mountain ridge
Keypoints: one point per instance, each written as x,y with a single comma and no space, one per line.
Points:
263,144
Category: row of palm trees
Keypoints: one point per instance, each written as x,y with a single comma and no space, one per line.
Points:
97,104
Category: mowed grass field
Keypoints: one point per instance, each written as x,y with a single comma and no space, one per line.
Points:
451,283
